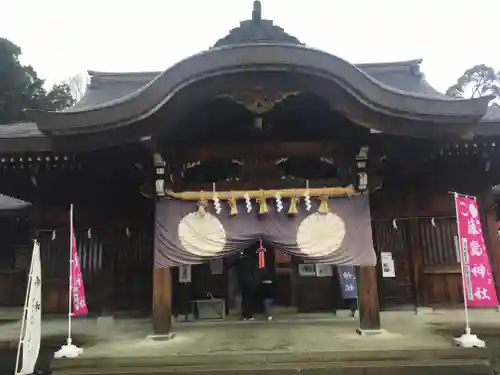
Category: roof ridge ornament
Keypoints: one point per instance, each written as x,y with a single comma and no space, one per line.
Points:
257,11
257,30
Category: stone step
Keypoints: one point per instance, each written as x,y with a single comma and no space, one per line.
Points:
456,367
453,361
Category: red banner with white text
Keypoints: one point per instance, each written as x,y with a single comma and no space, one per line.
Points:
77,289
477,277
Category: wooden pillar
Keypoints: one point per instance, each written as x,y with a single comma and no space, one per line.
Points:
162,278
35,221
491,238
416,250
162,301
108,273
294,281
416,262
369,312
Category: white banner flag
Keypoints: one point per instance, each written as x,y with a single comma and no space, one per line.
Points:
31,326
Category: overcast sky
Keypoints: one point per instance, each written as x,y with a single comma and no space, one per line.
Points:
63,37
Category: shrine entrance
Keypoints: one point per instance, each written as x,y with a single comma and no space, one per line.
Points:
297,286
277,268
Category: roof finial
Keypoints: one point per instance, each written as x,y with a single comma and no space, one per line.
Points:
257,11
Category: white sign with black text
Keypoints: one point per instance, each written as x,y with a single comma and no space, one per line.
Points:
307,269
324,270
185,274
388,268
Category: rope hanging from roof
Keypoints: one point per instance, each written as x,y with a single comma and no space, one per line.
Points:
262,196
330,192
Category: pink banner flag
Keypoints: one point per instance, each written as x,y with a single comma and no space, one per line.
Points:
77,289
477,278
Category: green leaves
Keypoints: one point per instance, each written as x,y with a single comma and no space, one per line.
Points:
58,98
480,80
21,88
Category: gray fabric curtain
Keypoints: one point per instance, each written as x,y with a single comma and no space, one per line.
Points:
342,236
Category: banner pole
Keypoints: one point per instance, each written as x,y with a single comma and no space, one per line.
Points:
25,311
357,297
69,350
71,232
467,340
464,286
462,195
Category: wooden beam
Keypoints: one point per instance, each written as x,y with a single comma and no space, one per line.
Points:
369,311
162,302
261,149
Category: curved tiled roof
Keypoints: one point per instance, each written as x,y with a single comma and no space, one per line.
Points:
258,45
107,87
262,57
492,114
10,204
490,123
399,89
20,130
24,135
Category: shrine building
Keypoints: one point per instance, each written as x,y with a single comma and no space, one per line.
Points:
257,138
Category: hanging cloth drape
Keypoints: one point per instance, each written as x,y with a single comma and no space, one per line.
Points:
342,236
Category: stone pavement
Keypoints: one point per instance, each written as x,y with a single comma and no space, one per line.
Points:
311,342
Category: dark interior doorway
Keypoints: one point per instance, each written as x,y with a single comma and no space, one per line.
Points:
280,273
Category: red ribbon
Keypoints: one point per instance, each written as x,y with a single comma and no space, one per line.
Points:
261,250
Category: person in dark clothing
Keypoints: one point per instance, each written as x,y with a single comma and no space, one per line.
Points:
267,292
246,272
247,301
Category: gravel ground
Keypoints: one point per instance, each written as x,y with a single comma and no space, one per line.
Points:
8,360
493,344
435,328
50,345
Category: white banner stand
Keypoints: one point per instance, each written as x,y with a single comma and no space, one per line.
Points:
467,340
69,350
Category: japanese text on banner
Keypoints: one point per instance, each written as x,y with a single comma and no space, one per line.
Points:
77,289
347,277
477,277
